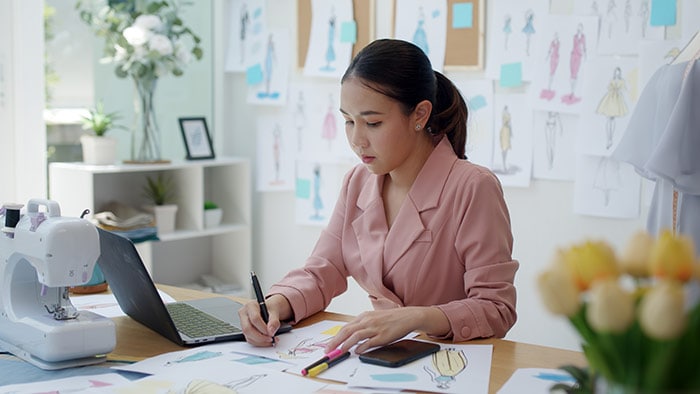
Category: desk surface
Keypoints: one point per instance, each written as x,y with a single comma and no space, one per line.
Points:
136,342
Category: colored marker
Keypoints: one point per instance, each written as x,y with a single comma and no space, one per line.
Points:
324,366
330,355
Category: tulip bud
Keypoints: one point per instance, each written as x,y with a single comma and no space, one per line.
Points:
672,257
591,261
611,308
558,291
635,258
662,311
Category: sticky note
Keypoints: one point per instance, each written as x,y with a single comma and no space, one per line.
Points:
254,74
462,15
303,189
663,12
348,32
477,102
511,75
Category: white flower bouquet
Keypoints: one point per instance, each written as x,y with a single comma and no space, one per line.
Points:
639,325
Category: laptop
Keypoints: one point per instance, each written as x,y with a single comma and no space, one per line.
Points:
207,320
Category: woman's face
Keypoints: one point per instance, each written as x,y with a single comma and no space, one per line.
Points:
377,129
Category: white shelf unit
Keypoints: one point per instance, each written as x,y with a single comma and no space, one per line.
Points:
181,257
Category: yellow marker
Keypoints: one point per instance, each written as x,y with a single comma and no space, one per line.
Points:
324,366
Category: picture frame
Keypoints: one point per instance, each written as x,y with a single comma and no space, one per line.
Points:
197,139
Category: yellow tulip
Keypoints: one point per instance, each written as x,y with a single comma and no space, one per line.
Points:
662,311
672,257
590,261
635,258
558,291
611,308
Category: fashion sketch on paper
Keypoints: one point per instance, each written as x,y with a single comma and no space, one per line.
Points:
628,15
507,29
578,53
317,201
277,152
330,126
553,57
330,50
245,18
552,127
446,365
506,134
613,105
644,16
300,119
529,29
420,37
610,17
270,60
607,178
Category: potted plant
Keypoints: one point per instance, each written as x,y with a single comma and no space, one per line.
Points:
98,148
160,191
212,214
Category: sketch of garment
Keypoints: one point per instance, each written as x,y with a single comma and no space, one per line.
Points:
447,363
201,386
203,355
420,38
528,29
607,178
644,15
628,15
317,202
308,345
245,18
613,105
277,151
330,51
553,56
506,134
269,63
552,125
611,17
330,126
300,119
578,52
507,29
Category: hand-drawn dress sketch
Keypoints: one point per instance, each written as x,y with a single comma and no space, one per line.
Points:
553,55
505,136
529,29
330,129
507,29
330,51
613,105
420,38
578,51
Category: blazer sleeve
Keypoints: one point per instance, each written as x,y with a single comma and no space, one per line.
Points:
311,289
484,242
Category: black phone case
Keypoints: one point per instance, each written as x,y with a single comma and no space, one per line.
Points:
399,353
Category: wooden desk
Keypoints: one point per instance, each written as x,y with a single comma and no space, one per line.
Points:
136,342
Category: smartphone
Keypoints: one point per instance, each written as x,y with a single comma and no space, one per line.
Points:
399,353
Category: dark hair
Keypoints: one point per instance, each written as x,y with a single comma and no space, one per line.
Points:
400,70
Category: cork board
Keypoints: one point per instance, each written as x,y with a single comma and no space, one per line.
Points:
363,11
464,48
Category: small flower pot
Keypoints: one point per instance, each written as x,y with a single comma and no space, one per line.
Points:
98,150
212,217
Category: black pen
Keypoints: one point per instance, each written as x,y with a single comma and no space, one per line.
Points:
259,297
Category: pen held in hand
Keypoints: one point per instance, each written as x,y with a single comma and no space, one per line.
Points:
324,366
259,296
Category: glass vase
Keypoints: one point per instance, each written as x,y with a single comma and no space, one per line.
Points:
145,142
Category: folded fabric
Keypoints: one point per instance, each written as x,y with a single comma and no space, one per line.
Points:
118,216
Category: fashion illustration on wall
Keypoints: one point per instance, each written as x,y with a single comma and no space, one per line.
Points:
613,105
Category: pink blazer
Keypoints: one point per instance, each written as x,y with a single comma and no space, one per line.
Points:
450,246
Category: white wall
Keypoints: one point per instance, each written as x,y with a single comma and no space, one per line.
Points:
541,215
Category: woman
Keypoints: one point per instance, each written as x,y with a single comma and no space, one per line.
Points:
424,232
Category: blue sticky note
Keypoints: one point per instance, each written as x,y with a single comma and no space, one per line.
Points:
254,74
462,15
511,75
348,32
477,102
303,189
663,12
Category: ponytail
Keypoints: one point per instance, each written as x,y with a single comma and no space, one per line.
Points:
449,114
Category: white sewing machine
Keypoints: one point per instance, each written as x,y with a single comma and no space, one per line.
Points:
41,256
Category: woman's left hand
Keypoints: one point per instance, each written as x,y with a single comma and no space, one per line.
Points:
377,328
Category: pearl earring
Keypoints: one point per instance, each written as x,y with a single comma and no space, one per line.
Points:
417,126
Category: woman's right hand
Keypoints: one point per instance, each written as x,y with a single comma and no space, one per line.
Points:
256,332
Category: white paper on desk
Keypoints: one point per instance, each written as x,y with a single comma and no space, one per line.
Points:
106,304
300,347
198,358
211,375
454,369
534,381
75,384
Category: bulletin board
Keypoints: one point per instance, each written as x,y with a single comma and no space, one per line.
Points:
464,47
363,10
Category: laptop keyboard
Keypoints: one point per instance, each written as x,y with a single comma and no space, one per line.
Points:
197,324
